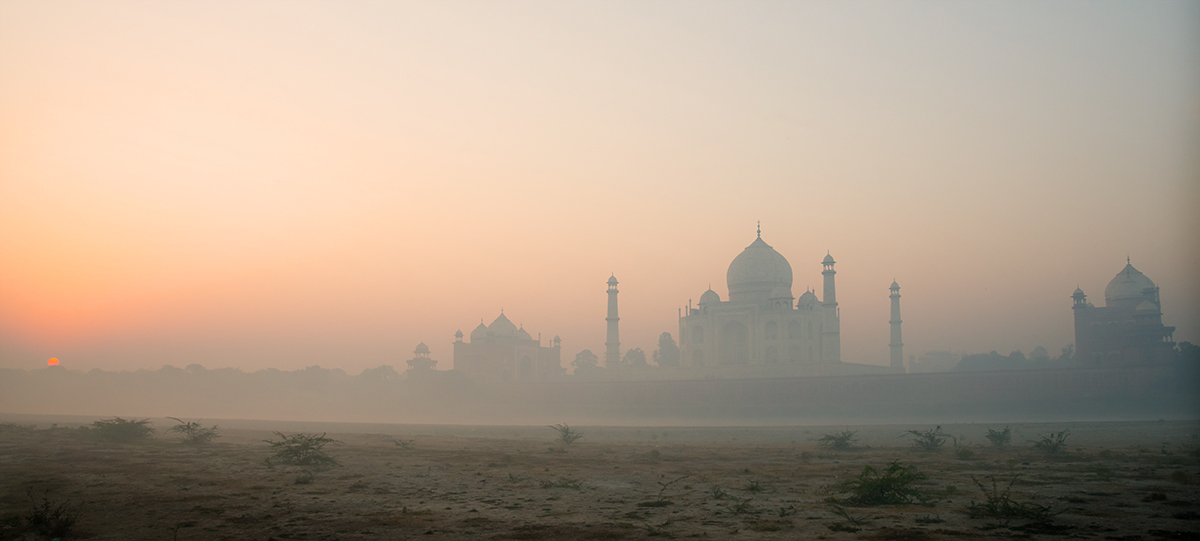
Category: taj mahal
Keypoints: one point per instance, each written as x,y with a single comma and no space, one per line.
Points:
760,323
762,330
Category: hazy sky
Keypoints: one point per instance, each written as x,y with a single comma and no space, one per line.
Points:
282,184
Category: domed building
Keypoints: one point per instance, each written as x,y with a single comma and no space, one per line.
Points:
507,353
421,362
1128,330
762,330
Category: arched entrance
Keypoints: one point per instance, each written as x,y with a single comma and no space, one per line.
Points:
734,342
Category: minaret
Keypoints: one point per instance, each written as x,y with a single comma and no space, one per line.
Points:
612,353
831,334
896,344
1083,316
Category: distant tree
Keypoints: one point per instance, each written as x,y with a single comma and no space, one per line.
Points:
1039,355
1187,352
635,358
1187,357
667,354
585,361
381,373
1067,355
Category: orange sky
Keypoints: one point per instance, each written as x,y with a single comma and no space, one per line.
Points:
281,184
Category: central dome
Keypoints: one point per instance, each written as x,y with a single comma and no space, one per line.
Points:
756,271
502,327
1127,285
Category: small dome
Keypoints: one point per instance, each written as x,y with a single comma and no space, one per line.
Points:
479,332
1127,284
502,326
458,333
557,339
710,297
756,271
807,299
612,280
521,333
828,260
421,348
1146,307
1078,292
894,285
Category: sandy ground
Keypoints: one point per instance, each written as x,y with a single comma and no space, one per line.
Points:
1118,481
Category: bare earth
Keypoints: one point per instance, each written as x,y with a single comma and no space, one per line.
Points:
1118,481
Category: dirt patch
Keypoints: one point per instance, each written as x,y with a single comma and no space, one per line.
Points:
1124,485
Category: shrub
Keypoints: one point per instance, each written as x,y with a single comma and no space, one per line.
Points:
850,522
1051,443
193,433
964,453
563,482
566,434
893,485
839,441
998,504
301,450
662,500
929,440
742,507
122,430
50,519
1000,438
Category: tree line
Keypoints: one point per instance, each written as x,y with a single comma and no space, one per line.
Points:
666,356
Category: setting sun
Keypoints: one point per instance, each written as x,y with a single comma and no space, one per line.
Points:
53,361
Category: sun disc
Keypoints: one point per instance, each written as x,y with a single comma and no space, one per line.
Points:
53,361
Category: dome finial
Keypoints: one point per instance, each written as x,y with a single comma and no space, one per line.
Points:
760,229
